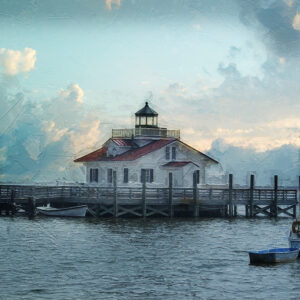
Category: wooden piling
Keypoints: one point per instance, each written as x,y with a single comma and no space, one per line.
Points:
171,207
298,193
251,191
31,205
12,204
115,194
230,206
195,195
275,208
144,204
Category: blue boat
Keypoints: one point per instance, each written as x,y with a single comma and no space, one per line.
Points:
271,256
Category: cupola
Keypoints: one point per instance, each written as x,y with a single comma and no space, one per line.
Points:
146,117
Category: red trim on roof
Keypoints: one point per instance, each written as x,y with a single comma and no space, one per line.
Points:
178,164
139,152
133,154
99,154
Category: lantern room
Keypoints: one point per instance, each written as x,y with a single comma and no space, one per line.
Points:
146,118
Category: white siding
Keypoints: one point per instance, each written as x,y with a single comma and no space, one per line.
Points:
183,176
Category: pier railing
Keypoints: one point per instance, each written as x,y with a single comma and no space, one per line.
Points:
126,195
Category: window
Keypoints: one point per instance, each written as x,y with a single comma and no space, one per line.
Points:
147,174
167,152
93,175
109,175
137,120
143,121
174,153
125,179
149,120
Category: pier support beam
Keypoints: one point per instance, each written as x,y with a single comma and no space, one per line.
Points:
252,182
115,194
171,207
195,195
144,204
275,208
31,205
230,206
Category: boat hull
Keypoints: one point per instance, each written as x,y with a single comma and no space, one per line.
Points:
74,211
271,256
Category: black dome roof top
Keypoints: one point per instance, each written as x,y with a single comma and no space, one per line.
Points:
146,111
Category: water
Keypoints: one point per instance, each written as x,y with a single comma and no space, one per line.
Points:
52,258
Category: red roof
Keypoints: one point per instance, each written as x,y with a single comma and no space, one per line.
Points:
96,155
100,154
139,152
178,164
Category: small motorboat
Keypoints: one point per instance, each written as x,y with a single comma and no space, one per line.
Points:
294,237
72,211
271,256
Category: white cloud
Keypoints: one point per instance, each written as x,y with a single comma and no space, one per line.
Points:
282,60
73,93
86,136
289,3
15,61
197,27
110,4
296,22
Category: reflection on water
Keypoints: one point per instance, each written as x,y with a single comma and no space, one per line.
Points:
55,258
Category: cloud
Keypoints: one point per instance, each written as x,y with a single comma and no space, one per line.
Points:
275,23
289,3
14,61
45,135
296,22
110,4
241,162
87,135
73,93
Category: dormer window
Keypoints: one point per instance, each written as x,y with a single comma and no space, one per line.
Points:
167,153
170,153
174,153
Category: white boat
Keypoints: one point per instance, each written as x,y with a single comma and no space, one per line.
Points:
294,237
73,211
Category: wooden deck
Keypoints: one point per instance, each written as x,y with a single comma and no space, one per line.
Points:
144,201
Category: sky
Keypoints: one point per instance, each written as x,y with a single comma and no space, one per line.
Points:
225,72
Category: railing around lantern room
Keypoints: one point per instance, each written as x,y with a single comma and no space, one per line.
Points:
148,132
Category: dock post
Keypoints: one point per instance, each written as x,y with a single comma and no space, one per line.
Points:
115,194
171,207
144,204
12,204
252,182
275,211
230,196
98,208
31,204
195,195
298,193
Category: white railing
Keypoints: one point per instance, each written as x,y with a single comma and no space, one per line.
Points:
153,132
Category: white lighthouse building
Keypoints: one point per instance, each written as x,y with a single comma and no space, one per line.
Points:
146,150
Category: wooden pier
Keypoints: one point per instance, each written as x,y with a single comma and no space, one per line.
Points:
147,201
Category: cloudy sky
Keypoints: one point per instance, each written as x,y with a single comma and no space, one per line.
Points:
225,72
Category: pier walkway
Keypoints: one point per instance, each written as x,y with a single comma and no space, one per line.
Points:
147,201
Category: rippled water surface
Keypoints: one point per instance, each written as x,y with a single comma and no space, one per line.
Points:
51,258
